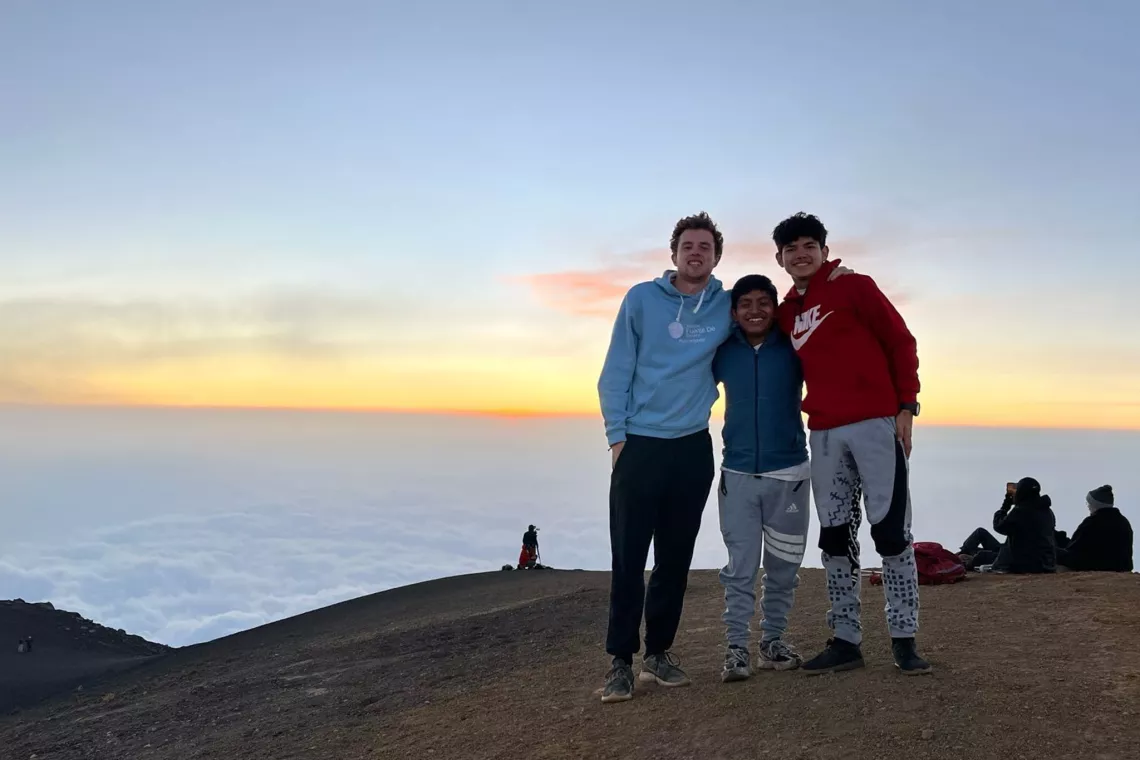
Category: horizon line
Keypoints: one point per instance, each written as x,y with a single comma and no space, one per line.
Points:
501,413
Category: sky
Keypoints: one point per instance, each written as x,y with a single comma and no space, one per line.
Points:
438,205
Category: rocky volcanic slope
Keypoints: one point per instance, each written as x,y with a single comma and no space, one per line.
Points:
68,650
506,665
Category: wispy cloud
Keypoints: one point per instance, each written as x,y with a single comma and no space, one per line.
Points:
52,345
597,291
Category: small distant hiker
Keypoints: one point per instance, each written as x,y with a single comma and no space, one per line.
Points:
28,643
1103,541
765,479
1026,518
22,646
528,557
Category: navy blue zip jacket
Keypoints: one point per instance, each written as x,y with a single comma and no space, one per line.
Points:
763,429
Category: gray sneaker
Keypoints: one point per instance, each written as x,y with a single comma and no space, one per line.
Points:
737,664
663,668
779,655
619,682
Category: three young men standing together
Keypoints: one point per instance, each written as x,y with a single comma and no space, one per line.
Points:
675,339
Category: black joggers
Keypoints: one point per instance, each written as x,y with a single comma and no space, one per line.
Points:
658,491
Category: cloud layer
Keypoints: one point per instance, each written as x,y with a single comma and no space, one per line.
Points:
185,525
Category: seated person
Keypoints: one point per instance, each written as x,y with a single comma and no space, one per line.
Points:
1103,541
1026,519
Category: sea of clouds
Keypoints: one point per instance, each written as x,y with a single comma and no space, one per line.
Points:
186,525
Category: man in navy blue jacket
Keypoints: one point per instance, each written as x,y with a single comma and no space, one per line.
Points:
765,478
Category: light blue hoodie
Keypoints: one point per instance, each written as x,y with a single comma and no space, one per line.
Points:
657,379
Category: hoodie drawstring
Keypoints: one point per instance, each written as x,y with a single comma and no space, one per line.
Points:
681,308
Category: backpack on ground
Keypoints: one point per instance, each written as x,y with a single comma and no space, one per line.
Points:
936,565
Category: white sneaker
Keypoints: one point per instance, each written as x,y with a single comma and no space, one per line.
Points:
737,665
776,654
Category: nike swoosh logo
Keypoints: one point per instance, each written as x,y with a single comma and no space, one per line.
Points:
798,343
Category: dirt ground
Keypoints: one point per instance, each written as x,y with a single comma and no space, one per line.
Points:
506,665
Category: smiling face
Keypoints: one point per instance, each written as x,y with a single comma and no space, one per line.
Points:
802,258
695,256
754,313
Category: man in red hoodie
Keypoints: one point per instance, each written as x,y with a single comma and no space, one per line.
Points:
860,364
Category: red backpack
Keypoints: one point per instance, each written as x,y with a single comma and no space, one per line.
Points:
936,565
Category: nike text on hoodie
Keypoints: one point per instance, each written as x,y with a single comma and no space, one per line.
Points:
859,359
657,379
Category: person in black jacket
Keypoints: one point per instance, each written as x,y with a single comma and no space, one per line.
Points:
1028,522
1103,540
1026,519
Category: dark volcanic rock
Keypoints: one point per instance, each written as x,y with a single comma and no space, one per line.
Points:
68,650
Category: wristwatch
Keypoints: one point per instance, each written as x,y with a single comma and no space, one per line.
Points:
912,408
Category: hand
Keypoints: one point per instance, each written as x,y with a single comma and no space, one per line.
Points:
615,452
904,423
839,271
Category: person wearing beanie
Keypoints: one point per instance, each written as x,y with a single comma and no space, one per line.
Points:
1027,521
1103,541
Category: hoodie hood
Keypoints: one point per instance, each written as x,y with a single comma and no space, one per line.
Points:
1028,490
821,275
1037,502
665,282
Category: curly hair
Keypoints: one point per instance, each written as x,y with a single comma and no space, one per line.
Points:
701,221
799,226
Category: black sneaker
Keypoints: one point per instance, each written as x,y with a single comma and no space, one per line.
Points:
907,659
838,655
619,682
663,668
737,664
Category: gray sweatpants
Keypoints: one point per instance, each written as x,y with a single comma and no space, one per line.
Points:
761,514
864,458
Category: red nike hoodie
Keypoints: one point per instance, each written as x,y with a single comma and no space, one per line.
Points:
859,359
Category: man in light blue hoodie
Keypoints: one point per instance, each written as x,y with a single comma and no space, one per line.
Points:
657,391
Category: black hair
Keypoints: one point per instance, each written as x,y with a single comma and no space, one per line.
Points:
750,283
701,221
798,226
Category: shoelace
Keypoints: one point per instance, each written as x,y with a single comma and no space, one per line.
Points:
737,656
778,649
670,659
624,670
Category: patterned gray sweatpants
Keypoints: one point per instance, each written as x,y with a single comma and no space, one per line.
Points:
866,460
